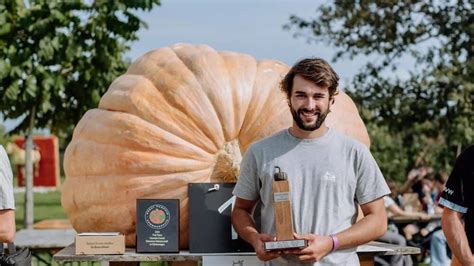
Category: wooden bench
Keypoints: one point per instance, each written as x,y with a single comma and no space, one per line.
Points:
413,219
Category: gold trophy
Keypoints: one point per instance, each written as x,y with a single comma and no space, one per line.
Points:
283,215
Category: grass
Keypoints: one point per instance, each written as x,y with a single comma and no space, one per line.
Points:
46,206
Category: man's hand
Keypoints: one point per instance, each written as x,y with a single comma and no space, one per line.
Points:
258,245
318,247
7,226
245,226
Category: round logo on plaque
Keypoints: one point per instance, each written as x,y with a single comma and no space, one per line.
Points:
157,216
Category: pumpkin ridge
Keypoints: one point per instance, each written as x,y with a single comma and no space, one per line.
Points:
221,132
228,134
145,63
133,176
86,204
237,93
193,123
266,120
133,161
264,90
186,142
132,107
167,138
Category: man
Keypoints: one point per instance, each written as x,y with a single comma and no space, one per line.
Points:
458,200
7,204
329,174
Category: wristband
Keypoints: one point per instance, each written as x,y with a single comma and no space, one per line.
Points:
335,243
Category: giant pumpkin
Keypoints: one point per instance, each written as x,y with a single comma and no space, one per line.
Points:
180,114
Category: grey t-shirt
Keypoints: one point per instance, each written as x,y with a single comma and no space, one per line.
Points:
6,185
328,176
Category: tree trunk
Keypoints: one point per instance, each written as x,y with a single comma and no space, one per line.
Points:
28,218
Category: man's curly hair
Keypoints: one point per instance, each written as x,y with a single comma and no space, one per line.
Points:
316,70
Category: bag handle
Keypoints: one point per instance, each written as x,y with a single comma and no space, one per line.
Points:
11,248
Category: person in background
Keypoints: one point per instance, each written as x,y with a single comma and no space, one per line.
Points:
437,239
440,179
395,210
7,203
420,181
413,181
438,249
458,202
392,235
394,207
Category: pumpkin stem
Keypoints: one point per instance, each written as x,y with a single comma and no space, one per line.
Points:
227,166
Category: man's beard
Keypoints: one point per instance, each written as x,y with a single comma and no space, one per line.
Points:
308,126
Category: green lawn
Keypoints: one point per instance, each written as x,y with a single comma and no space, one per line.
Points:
46,206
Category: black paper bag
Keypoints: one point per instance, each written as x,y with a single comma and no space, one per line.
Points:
210,229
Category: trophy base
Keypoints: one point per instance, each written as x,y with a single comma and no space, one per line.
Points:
285,244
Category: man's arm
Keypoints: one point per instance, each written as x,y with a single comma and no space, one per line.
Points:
7,225
245,227
372,226
456,236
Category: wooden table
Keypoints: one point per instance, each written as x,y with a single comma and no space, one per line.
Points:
365,252
413,219
368,251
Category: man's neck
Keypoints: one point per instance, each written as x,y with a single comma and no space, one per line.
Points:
297,132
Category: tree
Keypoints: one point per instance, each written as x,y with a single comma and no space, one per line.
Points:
57,58
427,117
4,138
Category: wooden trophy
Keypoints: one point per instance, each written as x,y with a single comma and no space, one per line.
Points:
283,215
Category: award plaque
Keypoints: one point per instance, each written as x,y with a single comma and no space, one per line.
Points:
283,215
157,225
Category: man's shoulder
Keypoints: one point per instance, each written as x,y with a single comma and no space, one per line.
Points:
348,141
464,160
468,152
3,152
268,141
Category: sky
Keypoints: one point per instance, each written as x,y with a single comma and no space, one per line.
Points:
254,27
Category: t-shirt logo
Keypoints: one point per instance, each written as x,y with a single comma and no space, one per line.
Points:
329,177
449,191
